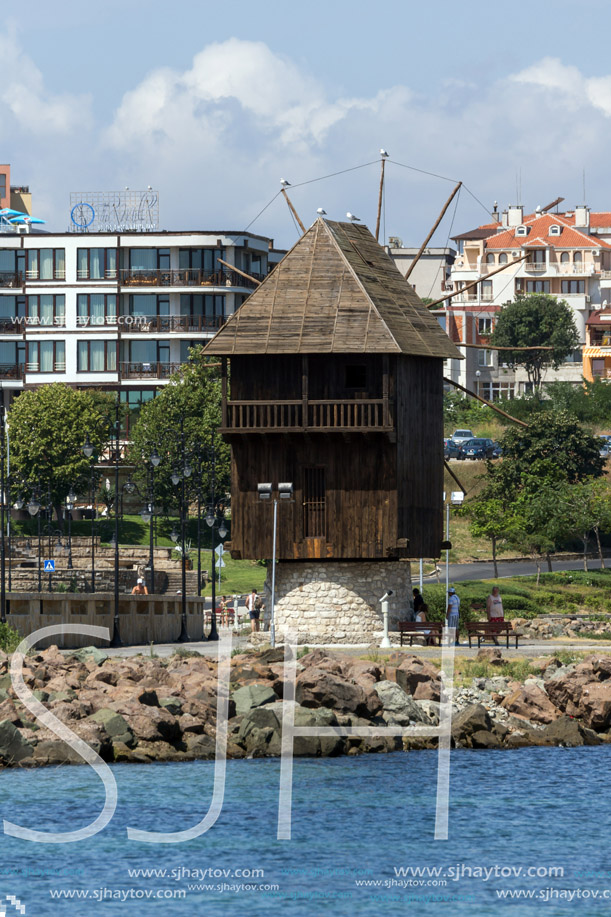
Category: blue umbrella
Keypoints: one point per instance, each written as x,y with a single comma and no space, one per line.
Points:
24,218
7,212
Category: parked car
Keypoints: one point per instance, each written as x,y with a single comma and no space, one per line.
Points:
497,450
461,436
605,446
450,449
477,448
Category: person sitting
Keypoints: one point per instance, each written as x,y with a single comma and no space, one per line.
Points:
421,616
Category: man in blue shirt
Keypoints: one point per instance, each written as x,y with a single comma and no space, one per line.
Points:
453,611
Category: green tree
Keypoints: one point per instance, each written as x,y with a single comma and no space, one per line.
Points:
553,447
536,320
47,428
489,518
189,406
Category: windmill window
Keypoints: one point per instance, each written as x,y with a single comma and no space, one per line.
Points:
356,376
314,503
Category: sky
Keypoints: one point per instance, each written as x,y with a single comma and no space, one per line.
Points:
212,104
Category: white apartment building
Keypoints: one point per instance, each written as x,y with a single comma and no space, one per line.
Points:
117,310
568,255
431,273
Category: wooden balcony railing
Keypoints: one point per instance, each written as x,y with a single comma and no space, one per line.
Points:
352,415
189,324
11,279
148,370
186,278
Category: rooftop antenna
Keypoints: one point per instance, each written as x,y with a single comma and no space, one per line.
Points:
383,158
430,235
286,184
553,204
584,186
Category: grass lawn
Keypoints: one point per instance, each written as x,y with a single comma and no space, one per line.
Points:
237,577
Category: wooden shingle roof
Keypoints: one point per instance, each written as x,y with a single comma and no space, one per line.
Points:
336,291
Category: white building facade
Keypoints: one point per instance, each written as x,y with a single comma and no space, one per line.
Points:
567,255
118,311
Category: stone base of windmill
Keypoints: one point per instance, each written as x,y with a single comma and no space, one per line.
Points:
338,602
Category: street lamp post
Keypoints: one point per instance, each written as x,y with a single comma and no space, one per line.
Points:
88,450
70,502
116,636
33,510
285,492
456,499
179,477
154,461
4,497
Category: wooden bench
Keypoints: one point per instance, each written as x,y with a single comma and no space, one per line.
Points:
487,631
429,630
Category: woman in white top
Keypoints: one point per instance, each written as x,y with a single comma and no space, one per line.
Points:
494,608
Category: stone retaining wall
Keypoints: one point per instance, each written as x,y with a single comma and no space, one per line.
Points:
338,602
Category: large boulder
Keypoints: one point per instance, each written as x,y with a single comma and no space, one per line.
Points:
13,747
319,688
414,671
314,746
595,705
253,695
90,654
532,703
564,688
400,709
473,719
570,733
114,725
491,655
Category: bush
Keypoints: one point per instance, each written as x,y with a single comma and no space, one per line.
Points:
9,638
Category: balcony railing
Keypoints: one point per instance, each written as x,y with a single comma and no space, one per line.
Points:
186,278
164,324
149,370
12,326
11,371
354,415
11,279
539,267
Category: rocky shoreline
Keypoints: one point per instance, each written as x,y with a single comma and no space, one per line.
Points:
142,709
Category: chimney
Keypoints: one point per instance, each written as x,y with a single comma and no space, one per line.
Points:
515,215
504,220
582,217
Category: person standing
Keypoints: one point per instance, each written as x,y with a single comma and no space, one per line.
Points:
453,611
254,612
494,609
418,601
140,588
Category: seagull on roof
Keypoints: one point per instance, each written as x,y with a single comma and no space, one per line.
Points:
321,212
384,154
285,183
353,218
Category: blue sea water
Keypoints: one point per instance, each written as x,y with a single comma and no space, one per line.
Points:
355,820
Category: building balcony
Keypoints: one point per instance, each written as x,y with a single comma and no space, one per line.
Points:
186,278
12,326
11,371
148,370
11,279
172,324
365,415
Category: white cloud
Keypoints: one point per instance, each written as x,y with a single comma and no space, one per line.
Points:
25,103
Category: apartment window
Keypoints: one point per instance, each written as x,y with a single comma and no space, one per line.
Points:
148,351
573,286
12,308
490,259
577,258
314,503
11,261
484,325
46,264
537,256
485,358
503,258
46,357
96,309
12,354
537,286
96,356
149,259
46,309
201,259
148,304
598,367
209,305
135,399
96,263
565,258
486,287
2,184
494,391
522,231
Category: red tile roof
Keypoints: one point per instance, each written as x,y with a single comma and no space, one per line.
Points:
538,236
